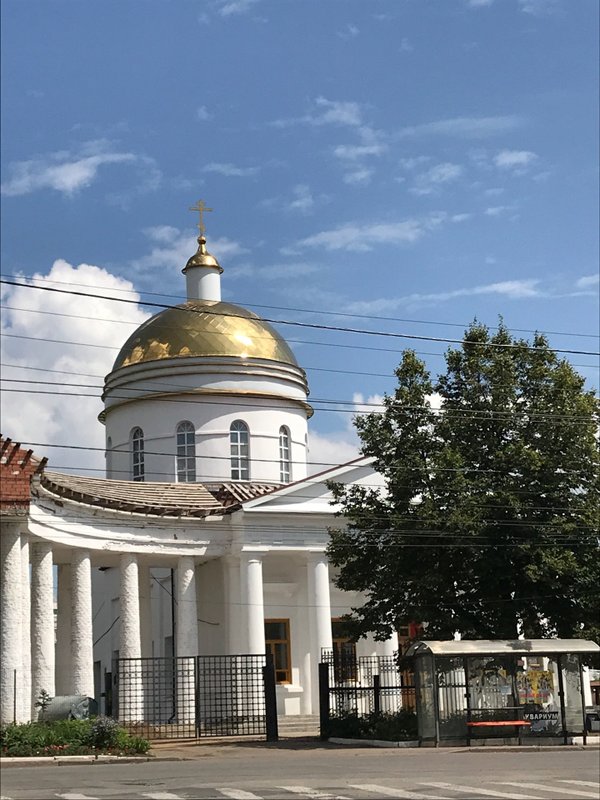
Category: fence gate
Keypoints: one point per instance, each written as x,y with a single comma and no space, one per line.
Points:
361,685
196,696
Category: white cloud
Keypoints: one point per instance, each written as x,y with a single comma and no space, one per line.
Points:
405,45
465,127
327,112
229,8
172,248
538,8
303,200
514,159
496,211
354,152
203,114
479,3
413,162
364,237
273,272
348,32
429,182
66,171
64,418
588,281
360,176
514,290
329,450
230,170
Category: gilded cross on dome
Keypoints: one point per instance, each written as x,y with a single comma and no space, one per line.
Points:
200,207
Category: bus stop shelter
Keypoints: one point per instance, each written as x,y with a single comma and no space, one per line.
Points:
525,690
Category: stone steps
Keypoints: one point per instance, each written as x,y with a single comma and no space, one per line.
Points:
298,725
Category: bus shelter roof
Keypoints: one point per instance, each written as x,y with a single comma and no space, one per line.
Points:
497,647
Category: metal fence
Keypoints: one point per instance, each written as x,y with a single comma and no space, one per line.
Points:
195,696
363,685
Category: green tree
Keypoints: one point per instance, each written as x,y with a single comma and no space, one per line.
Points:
489,520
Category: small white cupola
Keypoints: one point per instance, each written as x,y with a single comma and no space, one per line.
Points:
202,271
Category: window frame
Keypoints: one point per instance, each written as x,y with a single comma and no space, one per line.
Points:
185,452
285,455
270,647
138,465
239,463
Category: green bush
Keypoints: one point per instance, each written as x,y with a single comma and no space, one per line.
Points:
70,737
401,726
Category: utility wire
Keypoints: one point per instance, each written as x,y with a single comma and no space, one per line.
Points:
311,325
313,311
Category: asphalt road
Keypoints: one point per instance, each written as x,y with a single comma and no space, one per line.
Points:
251,771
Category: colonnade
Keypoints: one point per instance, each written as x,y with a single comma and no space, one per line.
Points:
38,655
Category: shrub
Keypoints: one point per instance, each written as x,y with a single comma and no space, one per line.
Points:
70,737
391,727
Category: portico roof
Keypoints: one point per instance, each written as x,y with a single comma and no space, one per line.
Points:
502,647
146,497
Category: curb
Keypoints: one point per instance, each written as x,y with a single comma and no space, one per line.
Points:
70,761
372,742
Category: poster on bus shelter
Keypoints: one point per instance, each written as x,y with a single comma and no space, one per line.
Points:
536,693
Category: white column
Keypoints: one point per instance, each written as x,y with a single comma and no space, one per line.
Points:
42,622
187,612
64,665
187,638
145,611
233,610
10,631
252,601
130,640
25,630
319,617
82,650
388,647
130,674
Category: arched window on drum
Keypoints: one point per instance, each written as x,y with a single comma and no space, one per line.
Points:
137,455
285,462
186,452
239,449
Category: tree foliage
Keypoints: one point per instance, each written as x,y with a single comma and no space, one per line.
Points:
489,522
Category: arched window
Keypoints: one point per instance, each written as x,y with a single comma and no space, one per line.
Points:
137,454
239,448
186,453
108,454
284,455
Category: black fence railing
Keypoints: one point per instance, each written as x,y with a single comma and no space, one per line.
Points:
196,696
362,685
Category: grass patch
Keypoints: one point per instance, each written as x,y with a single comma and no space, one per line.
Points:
398,727
68,737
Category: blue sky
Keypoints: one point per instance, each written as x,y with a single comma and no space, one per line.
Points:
432,160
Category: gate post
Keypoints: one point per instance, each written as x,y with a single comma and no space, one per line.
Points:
324,701
376,694
270,700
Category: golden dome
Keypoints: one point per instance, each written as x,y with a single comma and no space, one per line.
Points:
204,328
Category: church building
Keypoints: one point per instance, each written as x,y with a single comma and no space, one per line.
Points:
208,535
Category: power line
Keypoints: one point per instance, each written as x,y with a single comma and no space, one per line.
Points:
324,312
475,414
312,325
424,468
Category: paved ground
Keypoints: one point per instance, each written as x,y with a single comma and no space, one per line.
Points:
309,769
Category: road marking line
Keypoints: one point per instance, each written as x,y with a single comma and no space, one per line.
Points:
375,789
76,796
239,794
546,788
161,796
581,783
478,791
308,792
